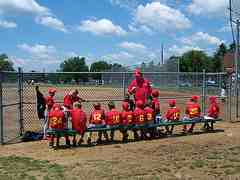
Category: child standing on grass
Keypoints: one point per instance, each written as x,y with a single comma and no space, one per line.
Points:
193,111
172,114
113,118
79,120
57,122
213,111
127,119
156,105
97,119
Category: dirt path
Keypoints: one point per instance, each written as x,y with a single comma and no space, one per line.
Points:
200,156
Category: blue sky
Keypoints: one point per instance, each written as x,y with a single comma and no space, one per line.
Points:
40,34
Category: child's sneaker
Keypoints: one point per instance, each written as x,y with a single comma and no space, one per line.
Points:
89,141
68,144
74,143
80,142
51,144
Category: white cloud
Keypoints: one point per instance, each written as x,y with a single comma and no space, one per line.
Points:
26,6
161,17
7,24
39,51
226,28
43,15
176,50
101,27
131,46
208,7
51,22
128,4
201,38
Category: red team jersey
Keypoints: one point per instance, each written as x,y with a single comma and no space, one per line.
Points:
150,114
79,120
113,117
69,100
156,105
143,89
193,110
139,116
56,119
213,110
127,117
97,117
173,114
49,102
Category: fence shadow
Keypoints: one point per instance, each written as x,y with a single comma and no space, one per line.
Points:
118,142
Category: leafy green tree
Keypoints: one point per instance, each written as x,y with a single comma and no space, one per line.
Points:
99,66
74,64
195,61
217,65
5,64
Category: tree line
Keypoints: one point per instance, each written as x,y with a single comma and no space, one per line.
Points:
190,61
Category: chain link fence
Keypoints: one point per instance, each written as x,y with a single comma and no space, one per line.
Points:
18,96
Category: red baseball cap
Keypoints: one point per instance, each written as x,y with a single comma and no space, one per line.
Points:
56,106
195,98
52,90
213,99
155,93
172,102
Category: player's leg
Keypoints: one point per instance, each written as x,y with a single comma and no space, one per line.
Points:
89,140
51,141
74,141
112,135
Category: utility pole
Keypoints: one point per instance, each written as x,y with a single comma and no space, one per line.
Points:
162,54
236,67
178,70
235,19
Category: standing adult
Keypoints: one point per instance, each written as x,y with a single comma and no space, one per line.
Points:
140,87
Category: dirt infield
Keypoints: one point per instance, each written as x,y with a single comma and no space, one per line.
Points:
198,156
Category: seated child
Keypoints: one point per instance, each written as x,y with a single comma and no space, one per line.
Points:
129,101
193,110
213,111
156,105
97,119
172,114
113,118
127,118
139,118
57,122
79,120
150,118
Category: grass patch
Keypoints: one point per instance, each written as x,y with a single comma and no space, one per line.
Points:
198,164
24,168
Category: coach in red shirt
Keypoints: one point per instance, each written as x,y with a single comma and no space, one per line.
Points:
140,87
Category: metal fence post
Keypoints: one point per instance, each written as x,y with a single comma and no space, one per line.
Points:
124,83
230,99
204,91
1,111
20,101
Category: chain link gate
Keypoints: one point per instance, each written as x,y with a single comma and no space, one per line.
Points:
18,113
11,106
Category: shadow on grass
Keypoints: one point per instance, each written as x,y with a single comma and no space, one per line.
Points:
117,142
